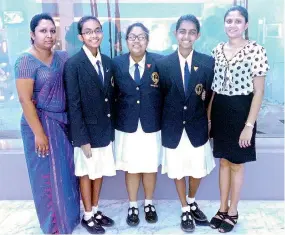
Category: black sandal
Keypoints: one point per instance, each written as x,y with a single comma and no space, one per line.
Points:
226,226
216,222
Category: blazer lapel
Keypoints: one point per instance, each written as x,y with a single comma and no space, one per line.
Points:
107,71
195,72
126,67
147,69
91,70
176,73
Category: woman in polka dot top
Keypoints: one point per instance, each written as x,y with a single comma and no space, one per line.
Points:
240,69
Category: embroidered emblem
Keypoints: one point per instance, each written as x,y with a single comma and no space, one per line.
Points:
155,79
199,89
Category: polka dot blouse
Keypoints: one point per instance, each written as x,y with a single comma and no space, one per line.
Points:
235,77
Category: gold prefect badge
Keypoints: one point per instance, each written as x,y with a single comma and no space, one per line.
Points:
199,89
155,79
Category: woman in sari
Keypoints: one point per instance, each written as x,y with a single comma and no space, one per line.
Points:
49,154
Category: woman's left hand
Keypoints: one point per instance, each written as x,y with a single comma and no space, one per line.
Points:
245,137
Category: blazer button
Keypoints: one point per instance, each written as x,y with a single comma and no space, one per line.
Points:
106,100
108,115
138,101
185,107
137,88
184,122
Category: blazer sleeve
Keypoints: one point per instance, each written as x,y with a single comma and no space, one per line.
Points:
78,130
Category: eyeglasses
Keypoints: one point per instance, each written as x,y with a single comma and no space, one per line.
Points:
96,31
133,37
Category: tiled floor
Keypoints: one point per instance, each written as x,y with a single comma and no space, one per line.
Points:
256,217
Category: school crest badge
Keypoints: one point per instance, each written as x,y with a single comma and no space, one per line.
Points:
155,79
199,89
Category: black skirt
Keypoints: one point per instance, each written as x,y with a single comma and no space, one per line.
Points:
229,114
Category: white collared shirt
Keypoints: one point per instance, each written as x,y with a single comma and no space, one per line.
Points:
182,61
133,67
94,59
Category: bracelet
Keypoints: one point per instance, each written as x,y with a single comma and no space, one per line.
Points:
209,121
249,124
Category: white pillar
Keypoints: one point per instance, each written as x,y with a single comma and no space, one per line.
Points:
66,15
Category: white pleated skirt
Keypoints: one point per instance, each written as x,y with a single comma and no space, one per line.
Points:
100,164
186,160
137,152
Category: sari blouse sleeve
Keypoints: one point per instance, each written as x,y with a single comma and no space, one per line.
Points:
25,68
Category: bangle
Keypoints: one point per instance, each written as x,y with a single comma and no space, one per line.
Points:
249,124
209,121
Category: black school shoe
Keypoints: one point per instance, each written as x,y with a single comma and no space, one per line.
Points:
103,220
198,215
133,217
187,222
150,214
95,228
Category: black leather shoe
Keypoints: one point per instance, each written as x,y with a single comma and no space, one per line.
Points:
187,222
95,228
197,213
103,220
133,217
150,214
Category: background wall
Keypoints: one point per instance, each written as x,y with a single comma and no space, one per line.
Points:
264,179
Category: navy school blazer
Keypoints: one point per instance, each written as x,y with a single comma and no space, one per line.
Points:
180,111
89,102
133,101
